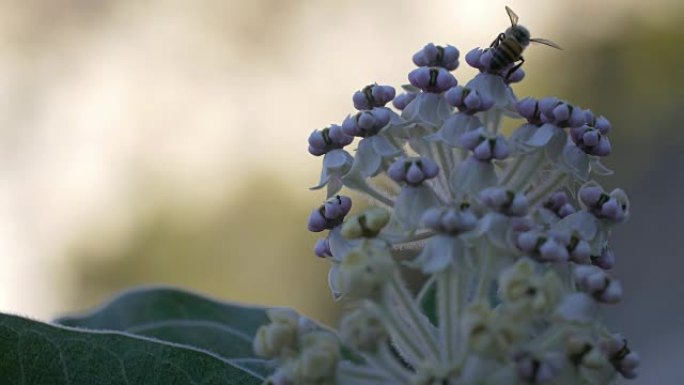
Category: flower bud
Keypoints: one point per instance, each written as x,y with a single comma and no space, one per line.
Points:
504,201
330,214
488,332
367,224
365,271
413,171
373,95
280,336
522,290
363,330
320,353
432,79
403,100
437,56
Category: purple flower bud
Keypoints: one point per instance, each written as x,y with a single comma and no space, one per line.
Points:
516,76
471,139
602,125
366,123
317,221
559,204
553,251
468,100
535,371
528,108
546,105
590,140
322,248
620,356
577,117
483,151
528,241
454,96
501,149
414,175
432,218
486,58
561,112
413,171
328,139
504,201
330,214
606,260
580,251
595,282
450,220
437,56
473,58
373,95
403,100
590,195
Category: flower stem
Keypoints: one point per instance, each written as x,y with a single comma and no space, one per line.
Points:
448,302
416,321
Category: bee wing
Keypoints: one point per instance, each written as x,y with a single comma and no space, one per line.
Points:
545,42
512,16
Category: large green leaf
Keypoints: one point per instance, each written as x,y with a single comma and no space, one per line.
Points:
34,353
182,317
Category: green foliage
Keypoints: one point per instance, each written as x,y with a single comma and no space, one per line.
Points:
145,336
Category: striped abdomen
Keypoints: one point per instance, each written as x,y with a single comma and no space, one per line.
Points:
507,52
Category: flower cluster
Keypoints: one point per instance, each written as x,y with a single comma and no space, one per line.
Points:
515,256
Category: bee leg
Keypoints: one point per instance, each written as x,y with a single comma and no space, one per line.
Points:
514,68
498,40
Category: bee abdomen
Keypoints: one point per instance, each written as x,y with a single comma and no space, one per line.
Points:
507,52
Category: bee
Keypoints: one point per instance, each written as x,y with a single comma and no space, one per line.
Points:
508,47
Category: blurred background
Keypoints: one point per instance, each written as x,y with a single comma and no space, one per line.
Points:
164,141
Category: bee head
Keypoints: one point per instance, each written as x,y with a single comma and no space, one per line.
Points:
520,33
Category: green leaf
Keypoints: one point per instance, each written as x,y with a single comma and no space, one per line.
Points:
33,353
427,298
185,318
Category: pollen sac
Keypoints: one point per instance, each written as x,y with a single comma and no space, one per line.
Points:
413,171
372,96
467,100
485,146
330,214
450,220
432,79
595,282
330,138
591,140
560,113
620,356
366,123
504,201
613,207
437,56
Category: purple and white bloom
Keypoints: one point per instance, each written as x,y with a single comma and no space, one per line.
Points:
432,79
437,56
330,214
372,96
328,139
513,252
413,171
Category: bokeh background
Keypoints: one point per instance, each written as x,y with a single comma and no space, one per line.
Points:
164,141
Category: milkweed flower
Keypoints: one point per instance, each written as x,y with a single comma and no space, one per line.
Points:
515,256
